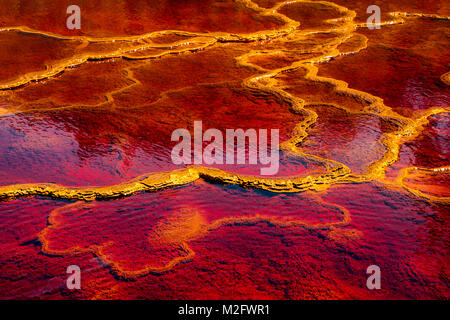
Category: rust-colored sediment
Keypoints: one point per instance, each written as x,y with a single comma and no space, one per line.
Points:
337,172
188,225
267,81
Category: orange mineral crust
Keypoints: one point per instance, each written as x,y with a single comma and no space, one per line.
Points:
88,178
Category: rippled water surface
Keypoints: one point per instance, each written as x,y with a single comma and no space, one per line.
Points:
87,179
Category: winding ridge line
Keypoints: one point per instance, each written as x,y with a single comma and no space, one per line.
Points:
336,172
188,254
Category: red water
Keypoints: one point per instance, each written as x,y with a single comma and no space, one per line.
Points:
96,107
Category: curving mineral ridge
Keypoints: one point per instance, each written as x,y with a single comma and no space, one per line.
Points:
86,118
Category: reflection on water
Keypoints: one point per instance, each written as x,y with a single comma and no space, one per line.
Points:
88,114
